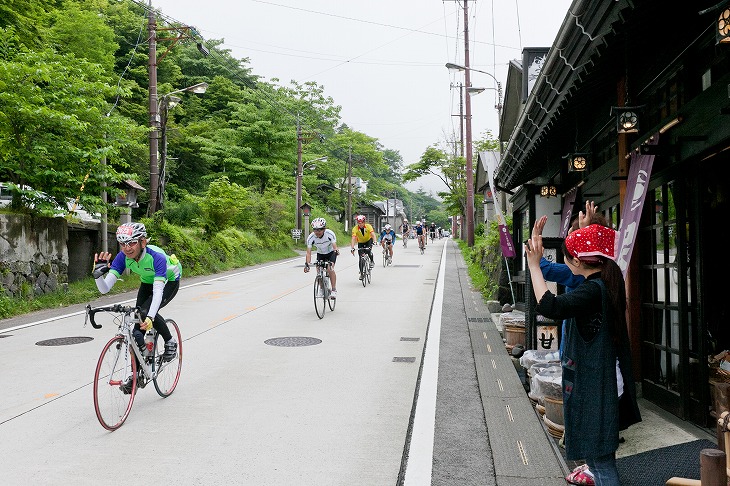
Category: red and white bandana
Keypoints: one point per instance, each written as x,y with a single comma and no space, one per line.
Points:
591,242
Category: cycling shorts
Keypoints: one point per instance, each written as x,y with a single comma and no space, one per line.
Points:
328,257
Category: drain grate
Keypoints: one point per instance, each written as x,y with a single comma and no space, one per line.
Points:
65,341
478,319
293,341
404,359
410,339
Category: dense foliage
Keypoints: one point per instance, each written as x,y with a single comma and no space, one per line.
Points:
74,119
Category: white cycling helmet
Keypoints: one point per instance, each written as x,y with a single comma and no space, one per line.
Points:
387,227
130,231
318,223
360,218
418,223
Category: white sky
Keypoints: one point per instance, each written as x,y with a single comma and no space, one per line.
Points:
382,61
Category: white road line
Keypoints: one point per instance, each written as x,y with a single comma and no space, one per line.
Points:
420,450
51,319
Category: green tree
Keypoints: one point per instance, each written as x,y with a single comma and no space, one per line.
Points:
53,125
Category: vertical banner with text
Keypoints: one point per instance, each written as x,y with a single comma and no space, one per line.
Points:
567,211
505,238
637,186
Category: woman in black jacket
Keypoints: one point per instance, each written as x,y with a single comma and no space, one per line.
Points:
596,348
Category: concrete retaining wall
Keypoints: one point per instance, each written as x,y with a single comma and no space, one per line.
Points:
41,255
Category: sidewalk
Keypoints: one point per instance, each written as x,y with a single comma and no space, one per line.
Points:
487,431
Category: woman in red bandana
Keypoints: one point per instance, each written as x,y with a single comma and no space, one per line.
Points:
596,339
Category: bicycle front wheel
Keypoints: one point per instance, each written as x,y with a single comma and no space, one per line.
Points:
112,401
369,273
385,259
319,297
168,372
363,271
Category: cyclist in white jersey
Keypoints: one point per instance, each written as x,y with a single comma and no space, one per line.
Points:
387,237
325,241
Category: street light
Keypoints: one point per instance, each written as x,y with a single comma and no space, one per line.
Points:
469,163
300,173
157,171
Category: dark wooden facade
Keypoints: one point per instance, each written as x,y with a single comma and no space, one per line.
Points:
666,62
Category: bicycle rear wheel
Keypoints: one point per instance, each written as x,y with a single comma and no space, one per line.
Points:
330,301
111,404
168,372
319,297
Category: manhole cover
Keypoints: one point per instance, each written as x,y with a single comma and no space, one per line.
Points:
64,341
293,341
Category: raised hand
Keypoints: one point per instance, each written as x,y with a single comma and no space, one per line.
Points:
584,219
539,226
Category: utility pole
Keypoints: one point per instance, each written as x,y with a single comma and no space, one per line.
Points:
469,168
154,116
299,172
349,189
461,119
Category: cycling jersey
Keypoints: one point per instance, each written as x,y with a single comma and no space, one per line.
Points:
388,236
363,234
324,244
153,265
419,230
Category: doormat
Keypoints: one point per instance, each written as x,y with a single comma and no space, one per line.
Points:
655,467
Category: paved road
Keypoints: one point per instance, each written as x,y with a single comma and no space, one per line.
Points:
244,412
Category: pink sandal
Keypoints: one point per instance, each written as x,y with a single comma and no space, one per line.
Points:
581,475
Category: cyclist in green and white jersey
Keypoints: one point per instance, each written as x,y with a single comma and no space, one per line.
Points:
159,275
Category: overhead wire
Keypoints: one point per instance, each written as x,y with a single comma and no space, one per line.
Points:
126,68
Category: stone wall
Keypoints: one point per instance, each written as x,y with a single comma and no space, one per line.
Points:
33,255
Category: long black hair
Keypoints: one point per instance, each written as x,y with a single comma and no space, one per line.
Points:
614,279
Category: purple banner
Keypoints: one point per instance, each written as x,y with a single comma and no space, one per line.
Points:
637,186
505,238
567,211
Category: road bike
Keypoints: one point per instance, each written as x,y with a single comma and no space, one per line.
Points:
421,245
405,239
433,236
365,271
323,289
122,359
387,260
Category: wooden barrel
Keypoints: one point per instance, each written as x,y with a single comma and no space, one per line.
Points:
514,335
554,410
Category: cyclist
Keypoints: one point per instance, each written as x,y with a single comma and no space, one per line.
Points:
364,235
432,231
420,234
405,229
160,280
387,238
325,241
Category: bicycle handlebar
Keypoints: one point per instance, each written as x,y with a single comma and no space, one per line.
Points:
119,308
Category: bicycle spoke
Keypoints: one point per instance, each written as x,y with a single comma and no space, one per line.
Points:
168,372
111,403
319,297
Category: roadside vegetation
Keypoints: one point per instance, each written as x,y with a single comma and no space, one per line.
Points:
484,261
